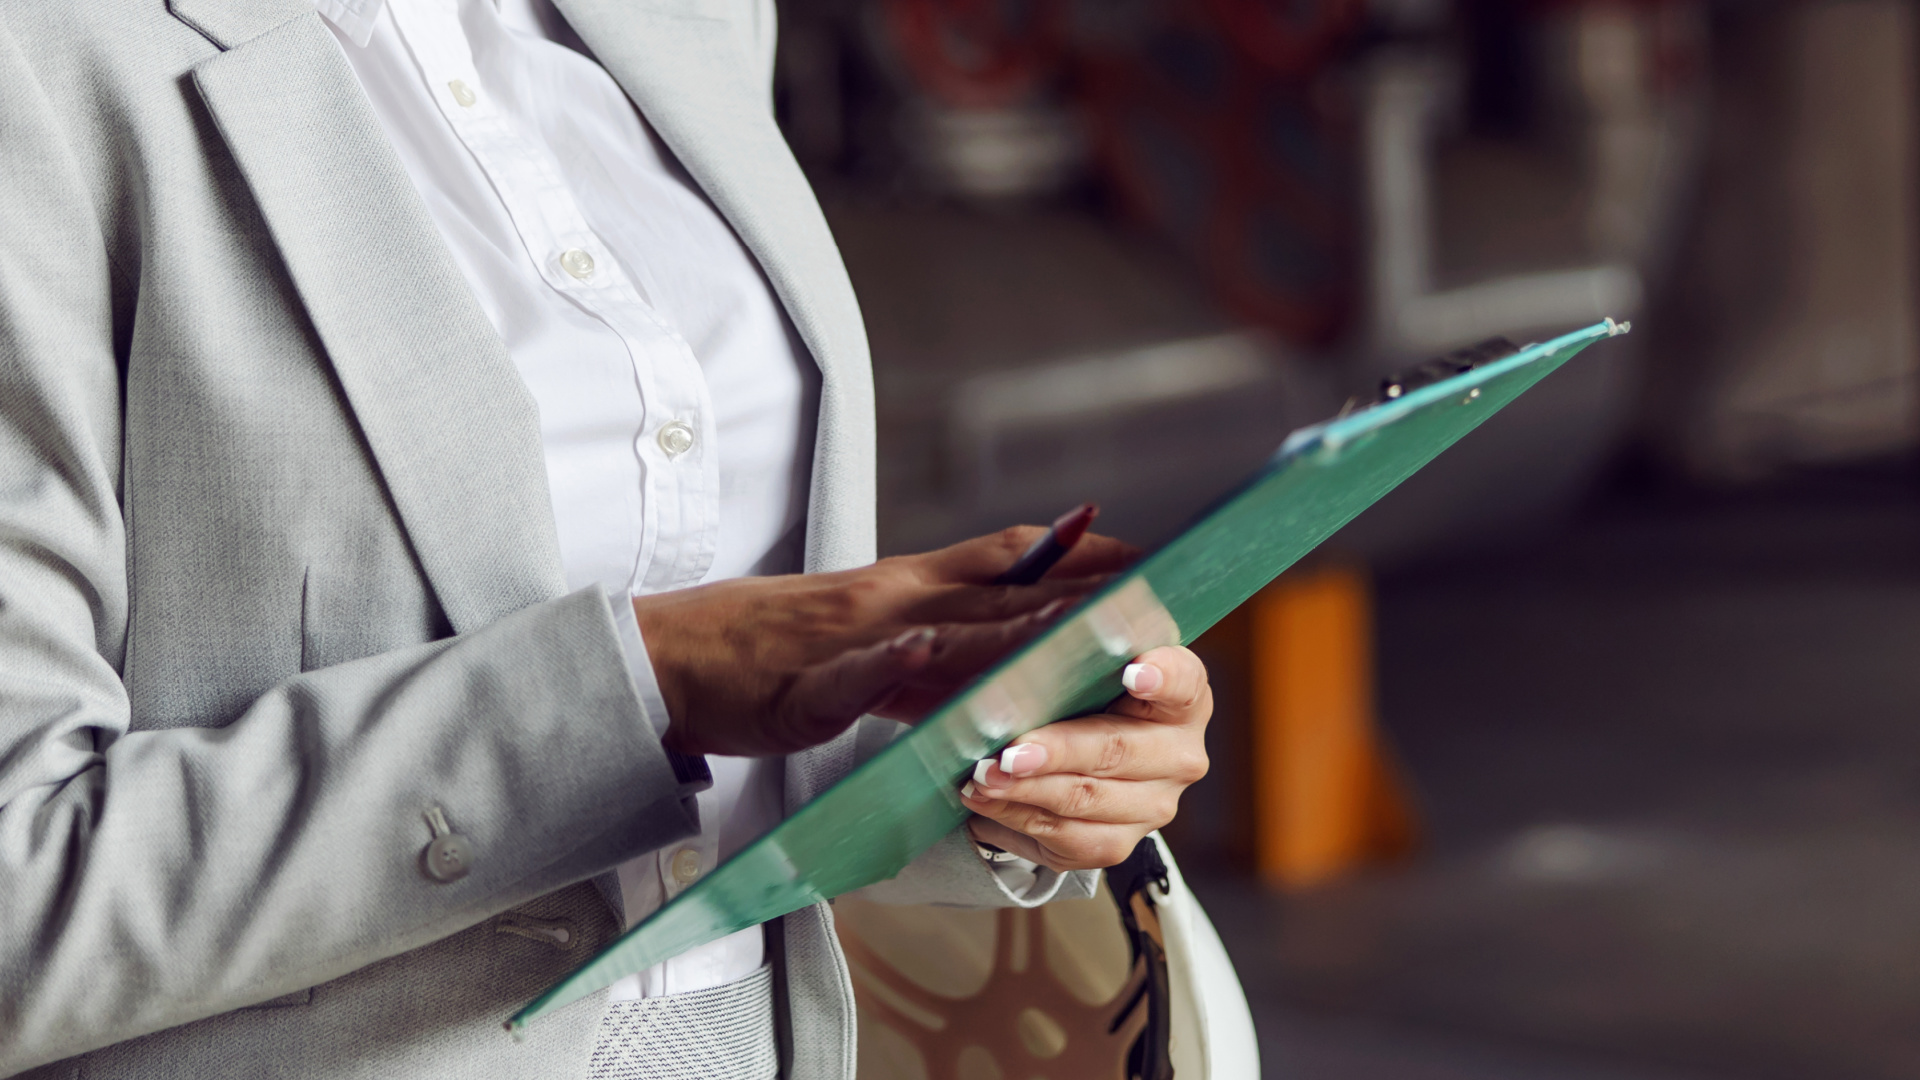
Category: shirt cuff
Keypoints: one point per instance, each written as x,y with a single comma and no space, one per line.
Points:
690,769
1017,876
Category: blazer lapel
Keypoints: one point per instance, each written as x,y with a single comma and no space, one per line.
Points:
454,430
683,62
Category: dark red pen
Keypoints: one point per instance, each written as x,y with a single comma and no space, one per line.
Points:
1067,530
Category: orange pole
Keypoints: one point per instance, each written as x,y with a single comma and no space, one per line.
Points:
1326,798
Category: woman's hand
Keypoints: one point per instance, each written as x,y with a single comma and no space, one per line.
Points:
1079,794
777,664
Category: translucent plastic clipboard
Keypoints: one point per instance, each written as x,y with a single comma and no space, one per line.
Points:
871,824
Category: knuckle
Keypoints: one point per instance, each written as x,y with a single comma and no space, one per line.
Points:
904,570
1113,751
1083,795
1043,823
862,592
1193,766
1198,695
1191,674
1015,539
1001,602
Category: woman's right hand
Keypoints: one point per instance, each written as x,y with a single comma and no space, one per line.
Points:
772,665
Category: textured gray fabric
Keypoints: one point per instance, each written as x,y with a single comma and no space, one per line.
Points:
816,990
277,572
433,1012
724,1033
228,693
417,415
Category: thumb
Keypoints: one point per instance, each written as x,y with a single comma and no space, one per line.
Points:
826,697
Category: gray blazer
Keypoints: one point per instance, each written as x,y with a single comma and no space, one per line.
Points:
278,573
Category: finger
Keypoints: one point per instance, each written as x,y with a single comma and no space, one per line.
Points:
989,831
1168,684
983,558
827,697
1062,843
1088,798
960,653
1105,746
991,603
1095,556
965,650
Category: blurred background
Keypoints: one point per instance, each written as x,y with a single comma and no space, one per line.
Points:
1594,751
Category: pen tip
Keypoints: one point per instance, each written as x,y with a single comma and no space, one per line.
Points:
1069,527
1080,516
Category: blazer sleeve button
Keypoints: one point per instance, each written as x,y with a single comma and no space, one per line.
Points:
450,856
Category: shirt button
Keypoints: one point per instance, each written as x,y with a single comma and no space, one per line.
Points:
675,438
686,865
462,93
577,262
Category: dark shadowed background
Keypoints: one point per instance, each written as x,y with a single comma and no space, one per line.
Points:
1645,649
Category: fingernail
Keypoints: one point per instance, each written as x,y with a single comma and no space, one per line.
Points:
970,792
1141,678
1052,610
1023,759
980,770
912,639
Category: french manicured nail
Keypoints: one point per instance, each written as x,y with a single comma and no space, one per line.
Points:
913,639
1023,759
970,791
988,778
1141,678
1053,609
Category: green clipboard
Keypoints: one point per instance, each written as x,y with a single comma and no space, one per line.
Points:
870,825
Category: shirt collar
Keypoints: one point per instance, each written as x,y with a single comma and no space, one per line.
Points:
353,18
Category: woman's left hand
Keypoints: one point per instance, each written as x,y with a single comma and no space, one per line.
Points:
1079,794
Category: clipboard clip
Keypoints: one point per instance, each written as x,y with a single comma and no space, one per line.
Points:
1428,372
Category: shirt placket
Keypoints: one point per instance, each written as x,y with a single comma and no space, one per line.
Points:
679,867
677,442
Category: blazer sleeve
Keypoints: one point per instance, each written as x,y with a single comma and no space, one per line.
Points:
150,877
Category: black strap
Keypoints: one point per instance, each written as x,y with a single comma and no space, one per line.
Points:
1151,1057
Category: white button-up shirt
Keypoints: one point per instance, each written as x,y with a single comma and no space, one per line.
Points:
676,407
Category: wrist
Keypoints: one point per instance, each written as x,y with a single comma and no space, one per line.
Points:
666,674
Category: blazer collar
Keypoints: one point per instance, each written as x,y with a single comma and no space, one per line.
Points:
229,23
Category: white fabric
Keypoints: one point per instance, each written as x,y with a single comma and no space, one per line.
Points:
528,154
1213,1033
